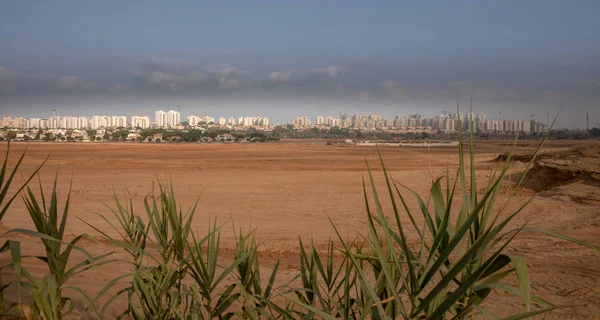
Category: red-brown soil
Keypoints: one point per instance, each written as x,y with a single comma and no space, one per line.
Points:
289,189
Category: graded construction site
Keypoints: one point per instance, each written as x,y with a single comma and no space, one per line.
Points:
289,189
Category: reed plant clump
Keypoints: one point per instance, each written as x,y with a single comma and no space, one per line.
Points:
6,180
48,293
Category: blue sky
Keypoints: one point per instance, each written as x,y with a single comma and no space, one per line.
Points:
284,58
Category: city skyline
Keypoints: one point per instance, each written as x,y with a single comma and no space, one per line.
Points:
543,117
391,58
443,122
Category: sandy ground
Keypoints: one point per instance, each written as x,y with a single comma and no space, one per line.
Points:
288,189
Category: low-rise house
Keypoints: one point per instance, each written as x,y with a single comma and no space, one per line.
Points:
21,137
225,138
100,133
132,136
157,137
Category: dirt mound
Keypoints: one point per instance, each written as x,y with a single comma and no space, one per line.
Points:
592,151
585,151
549,174
571,175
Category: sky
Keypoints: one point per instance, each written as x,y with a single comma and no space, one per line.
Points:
282,59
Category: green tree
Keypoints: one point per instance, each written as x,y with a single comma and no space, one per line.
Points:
120,135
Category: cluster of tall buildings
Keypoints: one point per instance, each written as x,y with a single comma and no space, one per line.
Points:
194,121
162,119
56,122
446,122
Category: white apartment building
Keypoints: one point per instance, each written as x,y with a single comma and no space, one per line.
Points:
193,120
160,119
53,122
68,122
320,120
11,122
222,121
118,121
494,125
302,122
526,126
167,119
231,121
98,122
140,122
83,123
33,123
208,119
173,118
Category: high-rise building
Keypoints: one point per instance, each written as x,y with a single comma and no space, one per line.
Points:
302,121
222,121
83,122
96,122
53,122
140,122
33,123
207,120
11,122
193,120
319,120
118,121
160,119
526,126
231,121
167,119
173,118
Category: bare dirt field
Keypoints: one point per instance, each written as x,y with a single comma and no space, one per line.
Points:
289,189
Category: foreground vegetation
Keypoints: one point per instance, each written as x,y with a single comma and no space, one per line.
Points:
177,273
